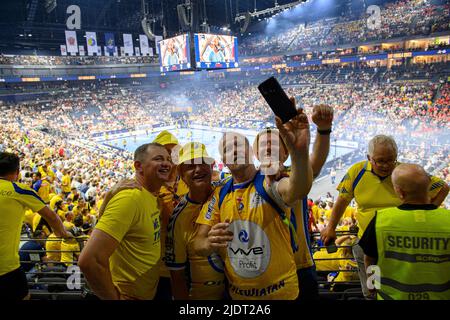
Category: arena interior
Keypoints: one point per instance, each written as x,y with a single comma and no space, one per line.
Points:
85,83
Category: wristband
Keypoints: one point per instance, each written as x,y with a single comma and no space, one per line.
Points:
324,132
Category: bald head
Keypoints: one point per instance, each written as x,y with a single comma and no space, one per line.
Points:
411,182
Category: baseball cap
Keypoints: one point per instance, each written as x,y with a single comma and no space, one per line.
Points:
165,137
194,150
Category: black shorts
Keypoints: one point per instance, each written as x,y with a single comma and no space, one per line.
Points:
13,285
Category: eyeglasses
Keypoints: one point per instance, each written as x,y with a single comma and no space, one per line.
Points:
380,163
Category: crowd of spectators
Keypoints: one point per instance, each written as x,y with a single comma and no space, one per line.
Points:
403,17
72,172
31,60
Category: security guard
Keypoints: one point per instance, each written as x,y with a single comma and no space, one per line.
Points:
410,243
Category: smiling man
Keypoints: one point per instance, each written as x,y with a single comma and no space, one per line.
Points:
193,277
121,260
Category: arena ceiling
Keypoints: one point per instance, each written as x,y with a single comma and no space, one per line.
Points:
26,24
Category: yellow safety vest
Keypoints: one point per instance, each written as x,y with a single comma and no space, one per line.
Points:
413,254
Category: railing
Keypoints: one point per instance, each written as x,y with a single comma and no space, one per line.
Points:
61,280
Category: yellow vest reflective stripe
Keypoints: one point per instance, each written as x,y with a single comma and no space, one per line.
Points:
413,254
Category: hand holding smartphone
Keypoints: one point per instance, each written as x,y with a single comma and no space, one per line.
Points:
277,99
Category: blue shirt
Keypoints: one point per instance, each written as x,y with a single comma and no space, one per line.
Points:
216,56
25,257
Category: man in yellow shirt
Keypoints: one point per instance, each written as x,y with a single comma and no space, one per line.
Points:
121,259
15,198
169,195
369,183
268,142
70,251
53,249
66,182
205,279
247,220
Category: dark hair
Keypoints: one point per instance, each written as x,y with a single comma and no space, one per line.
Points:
78,221
9,163
141,151
37,233
38,174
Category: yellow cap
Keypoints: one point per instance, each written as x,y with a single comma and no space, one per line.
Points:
194,150
165,137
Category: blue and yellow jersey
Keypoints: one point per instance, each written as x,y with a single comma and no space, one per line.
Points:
259,262
302,251
373,193
168,199
15,198
132,218
205,275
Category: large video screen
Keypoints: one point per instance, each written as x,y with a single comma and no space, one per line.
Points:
214,51
175,53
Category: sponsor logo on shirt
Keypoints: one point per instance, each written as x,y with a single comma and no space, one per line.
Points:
256,200
258,292
210,208
249,252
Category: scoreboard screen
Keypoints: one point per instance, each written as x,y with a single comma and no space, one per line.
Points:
175,53
214,51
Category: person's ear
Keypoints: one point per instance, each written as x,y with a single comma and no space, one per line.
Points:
138,166
399,193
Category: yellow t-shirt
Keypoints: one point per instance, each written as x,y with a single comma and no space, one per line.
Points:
132,218
315,212
36,220
61,214
29,217
44,191
335,262
373,193
47,153
348,213
68,225
15,198
345,275
259,262
53,245
207,280
328,213
65,181
327,265
54,200
70,250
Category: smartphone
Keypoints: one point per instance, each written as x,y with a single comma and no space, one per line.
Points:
277,99
331,248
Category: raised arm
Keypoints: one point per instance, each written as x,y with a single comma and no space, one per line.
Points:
323,118
295,134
